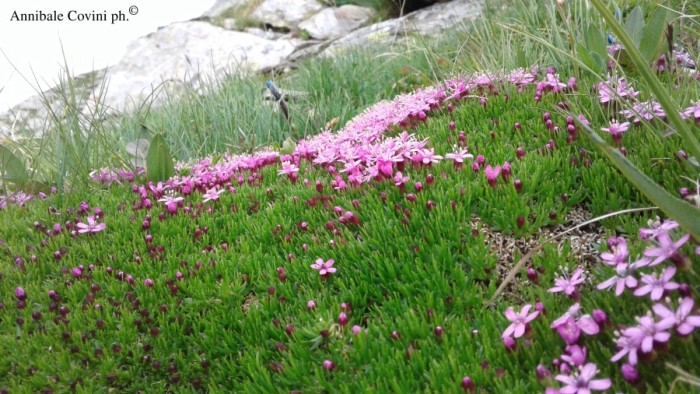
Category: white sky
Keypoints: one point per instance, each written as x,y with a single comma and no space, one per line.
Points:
87,45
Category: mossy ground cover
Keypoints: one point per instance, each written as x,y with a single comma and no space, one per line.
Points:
217,295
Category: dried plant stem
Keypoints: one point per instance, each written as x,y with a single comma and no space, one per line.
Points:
524,259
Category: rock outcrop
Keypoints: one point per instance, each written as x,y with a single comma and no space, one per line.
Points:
273,35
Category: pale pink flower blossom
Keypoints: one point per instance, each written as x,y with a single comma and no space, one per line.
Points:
566,284
324,268
656,285
582,382
519,321
91,227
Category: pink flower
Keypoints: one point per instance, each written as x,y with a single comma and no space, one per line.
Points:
665,249
649,331
518,321
624,277
171,203
20,294
569,331
681,318
627,345
657,285
400,179
492,174
212,194
568,285
582,382
616,129
575,355
656,228
324,268
584,322
459,157
91,226
619,253
692,112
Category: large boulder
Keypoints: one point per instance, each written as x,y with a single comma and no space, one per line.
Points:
223,6
185,54
336,22
285,14
429,21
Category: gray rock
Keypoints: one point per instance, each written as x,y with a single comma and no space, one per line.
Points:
336,22
285,14
187,54
266,34
223,6
429,21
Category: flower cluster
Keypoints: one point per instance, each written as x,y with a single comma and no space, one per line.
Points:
653,328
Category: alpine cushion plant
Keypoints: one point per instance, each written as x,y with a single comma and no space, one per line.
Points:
186,294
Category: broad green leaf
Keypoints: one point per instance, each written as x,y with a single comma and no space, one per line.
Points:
653,35
635,24
596,43
159,164
12,168
288,146
585,56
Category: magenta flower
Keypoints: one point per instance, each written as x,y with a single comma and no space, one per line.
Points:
492,174
20,294
575,355
212,194
665,249
566,284
681,318
582,382
692,112
657,285
649,331
400,179
324,268
627,346
518,321
459,157
624,278
616,129
656,228
91,226
171,203
328,365
311,305
646,110
288,169
583,322
629,373
619,253
569,331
